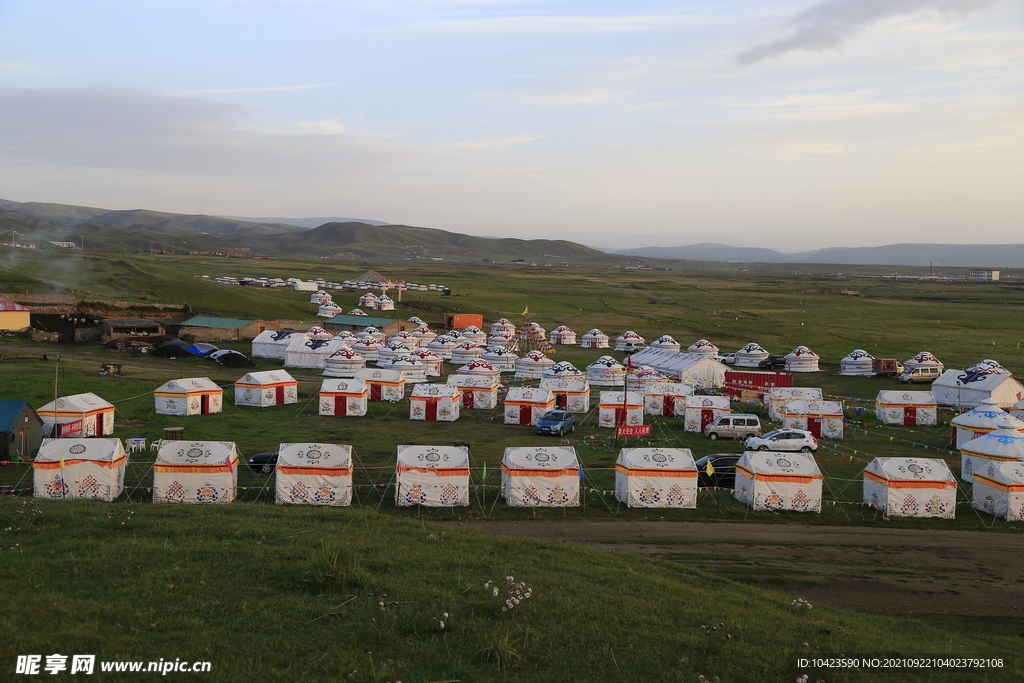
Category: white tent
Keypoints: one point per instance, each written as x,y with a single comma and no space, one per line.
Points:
343,397
801,359
433,363
999,490
466,352
910,487
434,476
908,408
595,339
501,358
702,347
384,303
500,341
268,388
665,399
540,476
188,396
563,335
533,365
751,355
77,415
627,340
857,364
319,297
618,408
407,338
195,472
478,367
328,309
643,377
384,385
769,480
443,346
564,369
391,351
991,366
413,370
356,311
503,326
343,363
1018,410
368,348
79,468
823,419
698,370
271,344
313,474
1003,444
478,391
982,419
424,334
700,411
346,336
666,342
309,349
526,405
779,396
606,372
924,359
571,393
371,332
474,334
368,300
656,478
965,389
435,402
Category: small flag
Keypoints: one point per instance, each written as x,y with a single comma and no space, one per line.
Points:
526,310
709,470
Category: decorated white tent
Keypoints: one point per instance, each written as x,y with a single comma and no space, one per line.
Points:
343,397
666,342
368,348
666,399
478,391
751,355
1018,410
272,344
627,340
313,474
356,311
999,490
435,402
371,332
384,303
406,337
368,300
965,388
924,359
188,396
502,358
643,377
699,371
474,334
910,487
982,419
391,351
195,472
328,310
606,372
1003,444
433,476
533,365
990,366
424,334
908,408
384,385
500,341
702,347
618,408
769,480
571,393
343,363
79,468
433,363
77,415
413,370
563,335
594,339
857,364
779,396
565,369
478,367
503,326
656,478
801,359
700,411
268,388
443,346
310,349
466,352
540,476
823,419
319,297
526,405
346,336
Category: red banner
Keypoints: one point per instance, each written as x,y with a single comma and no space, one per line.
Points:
633,430
70,427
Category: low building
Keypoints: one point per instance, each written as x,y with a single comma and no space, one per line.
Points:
206,328
984,274
14,316
119,328
21,430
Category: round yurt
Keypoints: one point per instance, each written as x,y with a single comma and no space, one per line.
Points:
802,359
925,359
366,333
503,359
750,356
384,303
595,339
368,300
407,338
443,346
643,377
540,331
984,418
606,372
319,297
424,334
345,336
456,335
500,341
475,335
373,333
565,370
1018,410
563,335
368,348
328,310
466,351
391,351
666,342
1003,444
434,362
478,367
356,311
627,340
343,363
416,321
533,364
413,370
857,364
703,347
503,326
990,367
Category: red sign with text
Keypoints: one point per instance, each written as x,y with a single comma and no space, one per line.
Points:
70,427
633,430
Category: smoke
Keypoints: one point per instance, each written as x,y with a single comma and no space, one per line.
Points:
830,23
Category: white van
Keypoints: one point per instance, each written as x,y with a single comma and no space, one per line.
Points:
734,426
921,374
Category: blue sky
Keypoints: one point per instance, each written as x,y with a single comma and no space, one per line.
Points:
792,124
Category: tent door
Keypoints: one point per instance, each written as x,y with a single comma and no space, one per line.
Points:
620,416
340,406
909,416
706,418
952,437
279,395
668,406
467,399
431,411
525,415
375,392
99,425
204,404
562,401
814,426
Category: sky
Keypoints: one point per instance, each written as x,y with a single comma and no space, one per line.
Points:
789,124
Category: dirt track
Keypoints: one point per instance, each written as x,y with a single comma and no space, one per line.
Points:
902,570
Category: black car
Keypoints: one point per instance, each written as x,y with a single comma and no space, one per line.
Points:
724,470
263,462
773,363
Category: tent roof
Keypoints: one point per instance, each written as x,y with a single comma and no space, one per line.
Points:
669,459
675,362
985,414
10,409
794,393
668,389
380,374
910,469
266,377
1008,443
196,452
105,449
979,381
774,462
188,384
528,394
360,320
473,381
571,384
859,354
314,455
6,305
439,390
540,457
347,386
709,402
801,407
910,398
82,402
433,456
219,323
1006,472
631,397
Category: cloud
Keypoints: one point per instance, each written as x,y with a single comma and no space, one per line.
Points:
225,91
26,69
535,24
496,143
830,23
567,99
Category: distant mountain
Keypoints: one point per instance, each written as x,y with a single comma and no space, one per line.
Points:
709,251
305,222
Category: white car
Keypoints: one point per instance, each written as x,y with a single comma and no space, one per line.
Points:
783,440
727,358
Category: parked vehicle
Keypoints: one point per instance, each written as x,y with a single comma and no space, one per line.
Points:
733,426
886,367
263,462
921,374
723,470
727,358
783,440
633,347
557,422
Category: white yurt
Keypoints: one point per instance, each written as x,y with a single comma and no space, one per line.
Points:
188,396
595,339
502,358
910,487
328,310
343,363
413,370
857,364
769,480
424,334
267,388
416,320
313,474
643,377
540,476
391,351
779,396
433,362
990,366
346,336
620,408
368,300
999,490
343,397
478,368
924,359
802,359
606,372
466,352
907,408
700,411
475,335
271,344
1018,410
751,355
356,311
666,399
656,478
1003,444
533,365
565,369
368,348
319,297
309,349
666,342
500,341
526,405
77,415
478,391
539,332
503,326
823,419
434,476
70,469
627,340
456,335
443,346
571,393
384,385
702,347
701,372
371,332
435,402
980,420
964,389
562,335
407,338
384,303
201,472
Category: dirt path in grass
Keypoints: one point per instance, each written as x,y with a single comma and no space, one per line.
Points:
904,570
